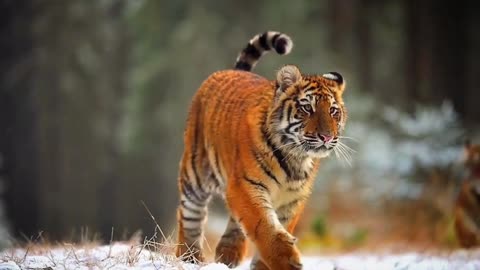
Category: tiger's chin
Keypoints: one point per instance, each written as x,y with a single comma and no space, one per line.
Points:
319,152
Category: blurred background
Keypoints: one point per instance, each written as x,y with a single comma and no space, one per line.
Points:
94,96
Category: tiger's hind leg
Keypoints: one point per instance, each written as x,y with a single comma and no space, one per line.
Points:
232,246
191,216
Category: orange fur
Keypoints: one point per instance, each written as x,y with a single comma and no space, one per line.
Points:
234,146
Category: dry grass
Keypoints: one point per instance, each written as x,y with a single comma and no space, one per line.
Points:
157,250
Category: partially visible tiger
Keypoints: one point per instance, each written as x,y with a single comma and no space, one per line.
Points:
258,143
467,207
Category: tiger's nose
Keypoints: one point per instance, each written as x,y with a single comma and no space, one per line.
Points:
325,138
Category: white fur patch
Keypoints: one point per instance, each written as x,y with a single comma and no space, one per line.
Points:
307,164
330,76
289,45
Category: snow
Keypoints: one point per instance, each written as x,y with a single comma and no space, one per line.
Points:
124,256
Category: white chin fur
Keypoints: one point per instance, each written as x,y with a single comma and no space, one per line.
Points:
321,154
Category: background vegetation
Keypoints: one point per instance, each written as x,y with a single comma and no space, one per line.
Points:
94,94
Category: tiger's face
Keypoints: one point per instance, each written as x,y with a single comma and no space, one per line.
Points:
309,114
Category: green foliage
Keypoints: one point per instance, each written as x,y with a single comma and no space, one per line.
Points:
357,237
319,226
450,237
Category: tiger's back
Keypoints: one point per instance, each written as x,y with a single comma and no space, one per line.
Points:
231,99
220,108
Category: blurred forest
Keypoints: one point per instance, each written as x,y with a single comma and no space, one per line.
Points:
94,96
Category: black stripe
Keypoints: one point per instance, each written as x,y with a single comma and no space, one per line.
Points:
194,154
289,112
252,51
274,39
291,125
285,139
197,178
217,164
264,167
269,173
263,41
283,219
288,205
191,219
296,189
196,211
266,204
255,183
242,65
278,155
310,87
282,106
213,176
216,169
256,229
192,196
304,99
193,232
198,229
196,235
281,46
339,78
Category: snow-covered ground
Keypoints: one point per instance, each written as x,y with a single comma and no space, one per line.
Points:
126,256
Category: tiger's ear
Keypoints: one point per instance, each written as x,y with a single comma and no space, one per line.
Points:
338,78
287,76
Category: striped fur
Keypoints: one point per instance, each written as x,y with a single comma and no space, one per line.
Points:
258,45
467,207
258,143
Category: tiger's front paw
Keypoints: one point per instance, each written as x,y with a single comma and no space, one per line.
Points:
285,255
231,252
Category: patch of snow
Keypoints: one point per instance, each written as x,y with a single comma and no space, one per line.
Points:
124,256
9,265
411,261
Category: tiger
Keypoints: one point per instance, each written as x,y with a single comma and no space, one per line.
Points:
258,144
467,206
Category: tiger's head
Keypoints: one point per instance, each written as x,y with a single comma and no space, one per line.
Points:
308,113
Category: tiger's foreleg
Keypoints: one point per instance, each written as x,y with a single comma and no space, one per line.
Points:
249,202
289,219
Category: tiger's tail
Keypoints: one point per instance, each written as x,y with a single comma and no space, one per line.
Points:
261,43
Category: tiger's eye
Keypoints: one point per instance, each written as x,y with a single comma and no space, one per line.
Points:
333,111
307,108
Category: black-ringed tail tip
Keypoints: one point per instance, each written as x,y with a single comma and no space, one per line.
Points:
260,44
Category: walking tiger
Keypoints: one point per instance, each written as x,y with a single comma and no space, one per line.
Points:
258,143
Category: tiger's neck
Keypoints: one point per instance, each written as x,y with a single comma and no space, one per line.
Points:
296,165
